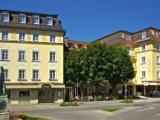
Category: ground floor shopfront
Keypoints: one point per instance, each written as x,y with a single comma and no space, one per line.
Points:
145,89
35,93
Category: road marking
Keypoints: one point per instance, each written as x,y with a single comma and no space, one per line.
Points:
157,114
150,108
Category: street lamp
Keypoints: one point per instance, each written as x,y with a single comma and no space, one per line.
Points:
77,85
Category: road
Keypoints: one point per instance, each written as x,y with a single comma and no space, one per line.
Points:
138,111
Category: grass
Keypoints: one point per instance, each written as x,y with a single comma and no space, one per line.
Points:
36,118
127,101
64,104
111,109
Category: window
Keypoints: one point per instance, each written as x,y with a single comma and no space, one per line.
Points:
158,74
35,74
21,74
52,56
5,17
35,37
4,56
144,34
143,74
5,35
156,34
35,56
36,20
49,21
143,47
158,60
128,37
22,36
52,74
21,55
52,38
5,74
22,18
143,60
158,47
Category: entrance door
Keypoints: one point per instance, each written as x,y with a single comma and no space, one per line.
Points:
45,96
24,97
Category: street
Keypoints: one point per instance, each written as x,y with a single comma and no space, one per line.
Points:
93,111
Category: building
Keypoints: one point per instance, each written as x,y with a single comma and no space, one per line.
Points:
74,44
144,49
31,53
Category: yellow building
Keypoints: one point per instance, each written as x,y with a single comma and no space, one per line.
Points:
31,53
144,49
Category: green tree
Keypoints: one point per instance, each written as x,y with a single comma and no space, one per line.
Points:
122,68
97,63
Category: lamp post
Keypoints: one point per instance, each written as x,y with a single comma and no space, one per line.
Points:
77,85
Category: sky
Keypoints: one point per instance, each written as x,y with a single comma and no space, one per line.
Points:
88,20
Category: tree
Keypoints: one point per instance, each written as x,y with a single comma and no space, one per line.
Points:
97,63
122,67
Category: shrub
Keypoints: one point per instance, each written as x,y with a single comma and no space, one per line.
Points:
69,104
23,116
85,98
127,101
99,98
111,109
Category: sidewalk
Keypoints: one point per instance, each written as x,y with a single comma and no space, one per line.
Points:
90,103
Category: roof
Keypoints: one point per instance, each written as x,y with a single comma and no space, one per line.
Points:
119,31
30,13
124,31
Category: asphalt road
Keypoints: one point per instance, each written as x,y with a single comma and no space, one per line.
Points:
138,111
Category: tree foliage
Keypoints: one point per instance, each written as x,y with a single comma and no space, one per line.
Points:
97,63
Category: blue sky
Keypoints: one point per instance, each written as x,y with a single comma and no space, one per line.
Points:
88,20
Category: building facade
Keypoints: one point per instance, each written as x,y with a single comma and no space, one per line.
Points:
144,49
31,53
74,44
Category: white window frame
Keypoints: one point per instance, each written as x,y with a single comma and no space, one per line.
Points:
35,76
38,20
35,37
5,35
128,37
51,57
4,56
143,47
21,74
21,36
35,58
143,74
3,18
51,74
51,38
158,47
143,60
5,74
23,20
21,55
144,34
49,23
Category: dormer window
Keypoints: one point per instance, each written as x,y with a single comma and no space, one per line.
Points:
49,21
22,18
35,20
144,34
5,17
128,37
